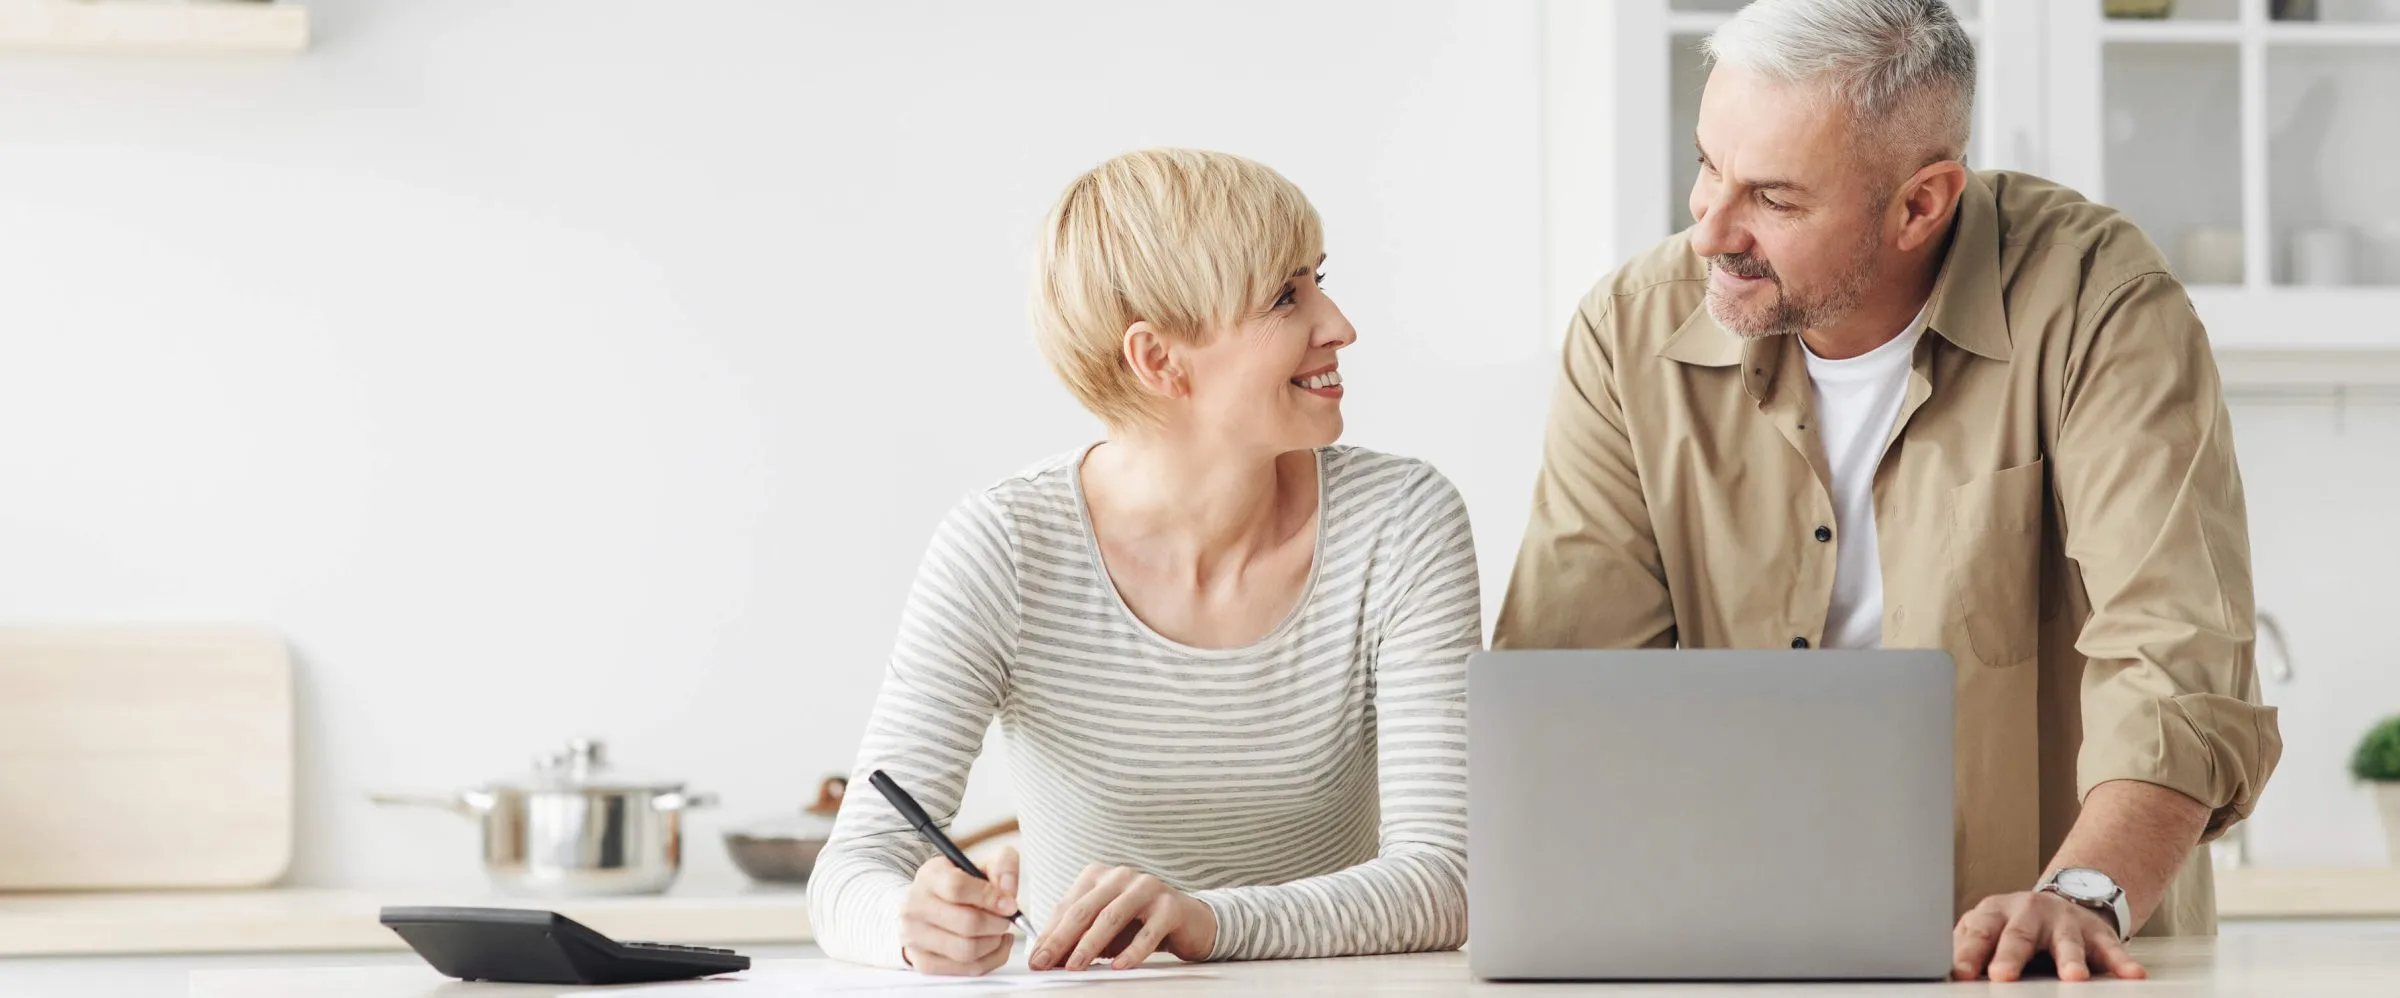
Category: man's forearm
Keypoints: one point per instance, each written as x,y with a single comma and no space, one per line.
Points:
2139,834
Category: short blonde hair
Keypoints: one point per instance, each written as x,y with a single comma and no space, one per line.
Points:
1186,240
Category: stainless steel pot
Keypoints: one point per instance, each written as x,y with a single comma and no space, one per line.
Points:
783,850
575,827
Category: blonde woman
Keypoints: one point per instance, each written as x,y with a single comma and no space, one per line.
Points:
1229,655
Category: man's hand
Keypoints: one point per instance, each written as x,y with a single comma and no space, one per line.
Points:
1122,913
2139,833
2007,930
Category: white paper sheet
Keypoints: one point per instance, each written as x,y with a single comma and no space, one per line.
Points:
784,979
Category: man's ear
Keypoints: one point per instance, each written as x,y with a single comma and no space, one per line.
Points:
1153,364
1926,200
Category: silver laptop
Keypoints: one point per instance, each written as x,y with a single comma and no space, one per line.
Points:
1709,815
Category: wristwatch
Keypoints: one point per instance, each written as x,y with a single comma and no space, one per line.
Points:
2092,889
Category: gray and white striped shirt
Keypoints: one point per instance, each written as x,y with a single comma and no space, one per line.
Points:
1310,786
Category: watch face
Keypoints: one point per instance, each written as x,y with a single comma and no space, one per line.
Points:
2088,885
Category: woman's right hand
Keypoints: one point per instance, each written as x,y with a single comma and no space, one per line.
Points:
955,924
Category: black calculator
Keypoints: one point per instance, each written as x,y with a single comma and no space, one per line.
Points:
525,946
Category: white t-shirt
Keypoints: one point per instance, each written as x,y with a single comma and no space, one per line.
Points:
1858,400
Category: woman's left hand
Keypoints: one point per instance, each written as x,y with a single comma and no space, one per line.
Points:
1121,913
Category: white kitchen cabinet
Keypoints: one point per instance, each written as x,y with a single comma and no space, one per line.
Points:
2253,149
2250,148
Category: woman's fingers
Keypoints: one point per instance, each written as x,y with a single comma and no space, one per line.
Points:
952,923
996,955
960,920
1156,921
936,952
1003,871
1122,939
949,883
1132,895
1074,914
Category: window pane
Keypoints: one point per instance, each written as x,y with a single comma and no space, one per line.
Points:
2330,148
2172,116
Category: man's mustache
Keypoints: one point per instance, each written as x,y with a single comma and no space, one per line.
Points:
1743,265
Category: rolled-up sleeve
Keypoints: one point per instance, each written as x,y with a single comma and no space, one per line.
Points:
2155,523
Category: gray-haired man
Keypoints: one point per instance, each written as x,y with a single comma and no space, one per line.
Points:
1872,399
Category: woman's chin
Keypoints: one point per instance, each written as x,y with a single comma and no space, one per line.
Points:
1324,433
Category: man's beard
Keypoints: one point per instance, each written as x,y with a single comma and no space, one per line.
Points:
1789,315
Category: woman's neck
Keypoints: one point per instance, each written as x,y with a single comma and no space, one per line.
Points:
1204,512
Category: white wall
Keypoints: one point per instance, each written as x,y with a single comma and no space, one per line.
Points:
594,367
546,368
2323,481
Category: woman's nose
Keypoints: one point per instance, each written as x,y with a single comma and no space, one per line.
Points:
1337,331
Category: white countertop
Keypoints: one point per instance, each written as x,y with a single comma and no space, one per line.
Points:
153,976
299,920
2286,892
2225,967
169,975
138,945
302,920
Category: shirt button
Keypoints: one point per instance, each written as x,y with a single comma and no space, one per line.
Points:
1799,642
1824,534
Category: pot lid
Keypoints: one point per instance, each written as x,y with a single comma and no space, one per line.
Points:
584,765
814,821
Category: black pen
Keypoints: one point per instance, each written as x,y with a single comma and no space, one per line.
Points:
916,817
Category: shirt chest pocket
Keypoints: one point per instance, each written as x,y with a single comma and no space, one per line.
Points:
1992,563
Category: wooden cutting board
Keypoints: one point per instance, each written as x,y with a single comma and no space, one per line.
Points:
144,756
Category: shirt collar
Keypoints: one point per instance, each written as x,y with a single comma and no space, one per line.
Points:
1965,306
1701,340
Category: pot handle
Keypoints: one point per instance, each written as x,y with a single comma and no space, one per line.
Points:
680,800
470,803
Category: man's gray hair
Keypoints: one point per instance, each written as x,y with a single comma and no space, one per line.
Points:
1905,69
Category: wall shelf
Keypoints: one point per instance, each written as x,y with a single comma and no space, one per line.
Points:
2333,34
2170,31
2307,374
2294,319
194,26
1701,22
2230,32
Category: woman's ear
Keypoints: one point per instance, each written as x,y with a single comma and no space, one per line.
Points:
1153,363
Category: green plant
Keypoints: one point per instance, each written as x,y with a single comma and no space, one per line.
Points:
2378,755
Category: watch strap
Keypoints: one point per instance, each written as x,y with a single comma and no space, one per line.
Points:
2120,913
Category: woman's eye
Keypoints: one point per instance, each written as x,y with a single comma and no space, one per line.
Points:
1320,278
1285,298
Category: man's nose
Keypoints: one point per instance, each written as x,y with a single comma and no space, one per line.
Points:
1716,234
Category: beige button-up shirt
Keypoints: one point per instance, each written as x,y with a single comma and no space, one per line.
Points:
2058,509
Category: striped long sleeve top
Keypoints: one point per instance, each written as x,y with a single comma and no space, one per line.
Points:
1310,787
